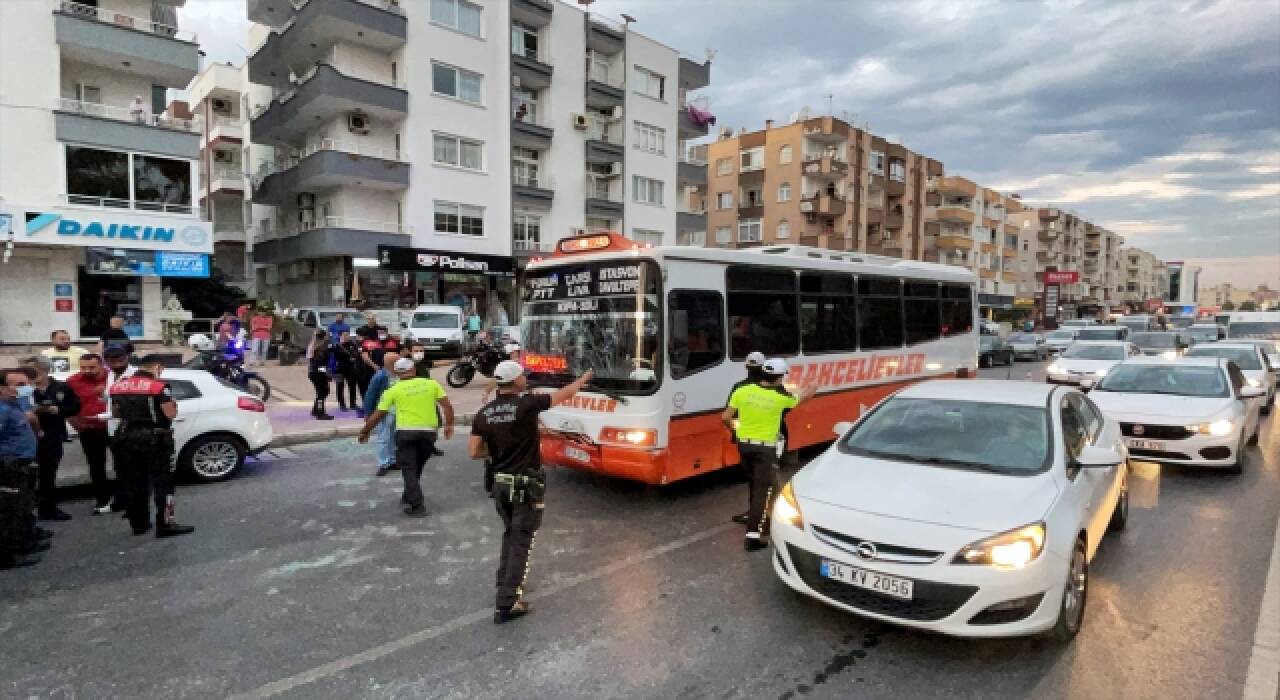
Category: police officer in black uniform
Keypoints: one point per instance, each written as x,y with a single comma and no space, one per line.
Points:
506,432
144,445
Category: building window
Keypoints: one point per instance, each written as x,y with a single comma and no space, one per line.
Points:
456,83
751,197
526,231
724,234
99,178
784,192
697,238
524,41
876,164
724,166
646,236
648,83
159,99
448,149
161,184
464,219
897,171
752,159
650,139
784,155
646,190
784,230
457,14
749,231
524,168
724,200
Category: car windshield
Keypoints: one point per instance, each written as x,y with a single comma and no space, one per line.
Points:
436,319
986,342
1100,334
1176,380
1022,338
1245,358
603,316
1060,335
955,434
1154,340
1264,330
1203,332
1094,352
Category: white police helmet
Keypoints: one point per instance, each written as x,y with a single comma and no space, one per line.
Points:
755,359
507,371
200,343
777,367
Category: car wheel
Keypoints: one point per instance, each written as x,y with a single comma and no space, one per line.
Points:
214,457
1256,429
1120,516
1074,596
1238,466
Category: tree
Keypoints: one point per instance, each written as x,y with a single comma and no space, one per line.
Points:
1248,306
1228,305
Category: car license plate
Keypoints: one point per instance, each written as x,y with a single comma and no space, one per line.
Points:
577,454
1146,444
870,580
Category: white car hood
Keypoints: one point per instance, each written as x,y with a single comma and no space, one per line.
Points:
924,493
1071,364
1139,408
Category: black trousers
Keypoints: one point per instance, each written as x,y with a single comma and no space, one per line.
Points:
413,449
320,381
94,443
145,468
520,523
48,458
17,501
761,465
348,382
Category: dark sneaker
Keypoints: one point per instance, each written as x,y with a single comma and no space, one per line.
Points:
38,547
102,509
416,511
173,530
435,452
43,533
142,530
324,416
740,518
56,514
17,561
755,544
520,609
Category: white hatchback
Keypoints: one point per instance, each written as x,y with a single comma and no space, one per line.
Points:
217,425
1253,363
1089,360
971,508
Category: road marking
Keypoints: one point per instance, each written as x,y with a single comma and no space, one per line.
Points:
283,453
1263,680
337,666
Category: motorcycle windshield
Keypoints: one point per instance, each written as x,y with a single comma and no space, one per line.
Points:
604,316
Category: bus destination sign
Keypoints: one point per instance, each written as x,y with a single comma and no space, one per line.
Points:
581,283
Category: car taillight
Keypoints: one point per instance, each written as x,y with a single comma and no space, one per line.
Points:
636,437
248,403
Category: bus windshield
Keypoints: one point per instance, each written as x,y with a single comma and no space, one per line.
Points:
603,316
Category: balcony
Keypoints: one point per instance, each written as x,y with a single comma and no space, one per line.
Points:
605,35
530,188
988,248
530,70
126,129
99,37
893,221
875,214
224,128
230,232
604,197
604,139
318,24
1050,214
272,13
524,248
826,165
826,130
225,179
328,164
323,92
990,223
986,274
694,75
535,13
895,187
955,214
823,204
604,83
751,208
694,119
1047,235
692,168
954,242
1010,229
688,221
1009,276
531,130
331,236
1046,257
953,186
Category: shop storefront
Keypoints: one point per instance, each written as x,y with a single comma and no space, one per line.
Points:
408,277
71,268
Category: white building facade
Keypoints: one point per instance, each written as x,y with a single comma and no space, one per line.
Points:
97,179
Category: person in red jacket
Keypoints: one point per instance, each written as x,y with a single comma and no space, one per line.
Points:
90,386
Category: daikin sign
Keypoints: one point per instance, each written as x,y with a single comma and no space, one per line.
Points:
158,233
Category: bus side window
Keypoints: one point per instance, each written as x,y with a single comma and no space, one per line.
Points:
921,311
957,309
762,311
879,313
695,328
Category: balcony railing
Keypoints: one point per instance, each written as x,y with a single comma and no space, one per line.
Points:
528,179
527,246
118,19
286,162
116,203
227,172
598,188
130,115
599,69
603,129
350,223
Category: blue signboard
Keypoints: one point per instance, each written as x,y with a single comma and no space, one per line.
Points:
145,263
182,264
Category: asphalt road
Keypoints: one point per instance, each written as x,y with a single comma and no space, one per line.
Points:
304,581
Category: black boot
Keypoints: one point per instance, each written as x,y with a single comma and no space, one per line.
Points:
173,530
520,609
315,408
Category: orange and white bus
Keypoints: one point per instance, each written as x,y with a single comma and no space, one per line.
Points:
667,331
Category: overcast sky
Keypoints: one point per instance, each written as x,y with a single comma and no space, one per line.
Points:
1159,119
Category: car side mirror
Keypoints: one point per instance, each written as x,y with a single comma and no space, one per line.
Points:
1249,392
1097,457
841,428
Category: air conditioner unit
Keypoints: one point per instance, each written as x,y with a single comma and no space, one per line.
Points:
617,112
224,157
358,123
306,200
580,122
615,169
220,106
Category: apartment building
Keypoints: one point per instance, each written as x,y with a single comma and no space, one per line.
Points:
1184,284
1063,241
818,182
974,231
1145,278
97,192
422,152
1262,297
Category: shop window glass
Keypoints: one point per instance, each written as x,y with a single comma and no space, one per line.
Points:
162,184
97,177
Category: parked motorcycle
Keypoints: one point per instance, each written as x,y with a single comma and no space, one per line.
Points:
483,359
227,366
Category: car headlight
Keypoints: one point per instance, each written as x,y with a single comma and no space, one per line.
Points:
1008,550
1255,383
786,509
1217,428
1169,355
1055,369
1101,372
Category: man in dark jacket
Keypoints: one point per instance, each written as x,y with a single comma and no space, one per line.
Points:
18,538
54,403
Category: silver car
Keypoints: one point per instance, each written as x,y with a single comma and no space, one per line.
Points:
1028,346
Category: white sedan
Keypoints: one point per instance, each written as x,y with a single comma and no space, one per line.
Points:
1252,361
1089,360
971,508
1197,410
217,425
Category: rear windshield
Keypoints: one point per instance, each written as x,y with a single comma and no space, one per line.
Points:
1203,333
1154,340
1101,334
1022,338
1094,352
1245,358
1165,379
1061,335
436,319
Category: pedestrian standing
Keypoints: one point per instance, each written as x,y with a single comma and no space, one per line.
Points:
414,400
384,438
261,324
758,409
505,432
115,337
318,372
18,540
146,410
90,387
64,356
346,363
337,328
54,402
373,344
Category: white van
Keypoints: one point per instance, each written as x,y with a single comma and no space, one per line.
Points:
440,327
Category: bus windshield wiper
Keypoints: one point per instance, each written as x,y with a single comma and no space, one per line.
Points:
592,386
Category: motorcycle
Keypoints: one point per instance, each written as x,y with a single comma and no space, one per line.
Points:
483,359
229,367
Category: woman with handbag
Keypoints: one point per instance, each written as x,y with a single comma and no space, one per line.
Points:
318,372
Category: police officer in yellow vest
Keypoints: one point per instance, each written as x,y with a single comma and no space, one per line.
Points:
758,409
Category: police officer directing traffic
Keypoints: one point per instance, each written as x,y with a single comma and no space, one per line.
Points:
758,409
144,447
755,373
506,432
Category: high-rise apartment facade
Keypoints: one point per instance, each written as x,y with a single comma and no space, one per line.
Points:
974,231
97,188
1063,241
818,182
1145,278
423,151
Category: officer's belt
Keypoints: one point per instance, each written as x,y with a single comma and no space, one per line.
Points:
758,443
514,480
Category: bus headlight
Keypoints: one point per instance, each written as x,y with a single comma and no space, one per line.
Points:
1101,372
787,509
633,437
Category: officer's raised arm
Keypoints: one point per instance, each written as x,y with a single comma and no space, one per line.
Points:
568,391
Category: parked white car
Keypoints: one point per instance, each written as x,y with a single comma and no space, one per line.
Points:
1196,410
1252,361
217,425
1088,360
967,507
440,328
